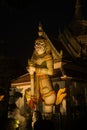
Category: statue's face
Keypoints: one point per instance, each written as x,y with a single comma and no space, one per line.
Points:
40,47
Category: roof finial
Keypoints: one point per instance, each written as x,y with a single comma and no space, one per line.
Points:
40,32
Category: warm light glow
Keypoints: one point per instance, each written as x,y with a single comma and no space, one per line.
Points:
1,97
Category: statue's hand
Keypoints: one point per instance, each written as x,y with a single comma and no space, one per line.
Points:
31,70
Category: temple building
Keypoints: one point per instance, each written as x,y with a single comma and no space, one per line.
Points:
69,51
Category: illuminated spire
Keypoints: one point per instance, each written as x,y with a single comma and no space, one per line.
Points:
79,9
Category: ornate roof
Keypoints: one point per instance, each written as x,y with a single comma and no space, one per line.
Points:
69,48
22,80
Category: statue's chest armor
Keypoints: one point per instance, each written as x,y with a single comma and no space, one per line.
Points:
41,62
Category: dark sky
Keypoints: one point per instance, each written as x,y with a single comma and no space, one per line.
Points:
19,21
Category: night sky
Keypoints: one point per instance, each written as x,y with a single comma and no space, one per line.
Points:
19,21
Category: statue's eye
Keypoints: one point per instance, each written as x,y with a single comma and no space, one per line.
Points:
37,44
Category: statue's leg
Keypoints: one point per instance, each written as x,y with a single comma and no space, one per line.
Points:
47,94
48,105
